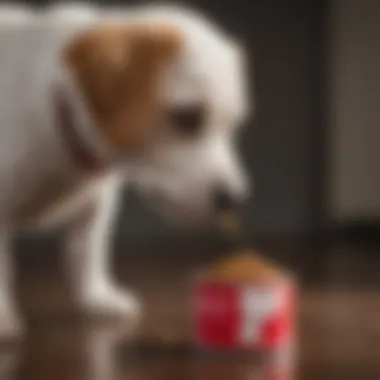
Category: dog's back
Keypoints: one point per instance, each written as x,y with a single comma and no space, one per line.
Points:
29,142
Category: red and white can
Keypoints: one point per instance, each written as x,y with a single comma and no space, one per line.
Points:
251,315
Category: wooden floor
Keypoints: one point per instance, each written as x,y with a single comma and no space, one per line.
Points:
339,320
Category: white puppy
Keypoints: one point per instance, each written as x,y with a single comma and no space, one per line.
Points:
91,98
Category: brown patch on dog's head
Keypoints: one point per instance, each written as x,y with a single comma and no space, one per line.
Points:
119,70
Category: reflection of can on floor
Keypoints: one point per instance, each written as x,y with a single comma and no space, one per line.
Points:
241,366
244,303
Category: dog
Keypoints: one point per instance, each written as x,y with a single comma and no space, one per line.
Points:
93,98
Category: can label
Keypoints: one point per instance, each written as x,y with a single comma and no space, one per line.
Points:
257,307
243,316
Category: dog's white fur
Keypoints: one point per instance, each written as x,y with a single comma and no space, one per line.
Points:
180,174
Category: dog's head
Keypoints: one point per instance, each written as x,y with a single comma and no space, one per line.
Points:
166,89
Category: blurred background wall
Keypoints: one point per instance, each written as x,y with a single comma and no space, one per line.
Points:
354,117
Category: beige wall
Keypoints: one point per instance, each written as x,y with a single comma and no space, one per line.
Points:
355,109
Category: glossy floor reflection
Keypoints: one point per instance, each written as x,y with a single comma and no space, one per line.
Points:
339,326
102,353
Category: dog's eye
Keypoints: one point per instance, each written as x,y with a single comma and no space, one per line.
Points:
188,120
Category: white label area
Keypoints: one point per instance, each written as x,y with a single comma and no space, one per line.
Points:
257,306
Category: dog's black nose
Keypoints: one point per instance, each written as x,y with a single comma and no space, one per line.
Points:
225,201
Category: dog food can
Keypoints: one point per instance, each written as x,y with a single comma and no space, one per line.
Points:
244,303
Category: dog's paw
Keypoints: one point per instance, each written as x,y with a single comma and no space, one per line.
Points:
110,301
11,327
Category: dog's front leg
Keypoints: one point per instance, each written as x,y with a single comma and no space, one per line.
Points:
88,251
10,325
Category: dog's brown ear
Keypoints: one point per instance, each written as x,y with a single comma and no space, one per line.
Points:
119,70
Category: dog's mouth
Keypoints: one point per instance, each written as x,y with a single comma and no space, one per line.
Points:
180,212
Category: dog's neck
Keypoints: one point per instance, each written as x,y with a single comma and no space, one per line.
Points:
82,140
